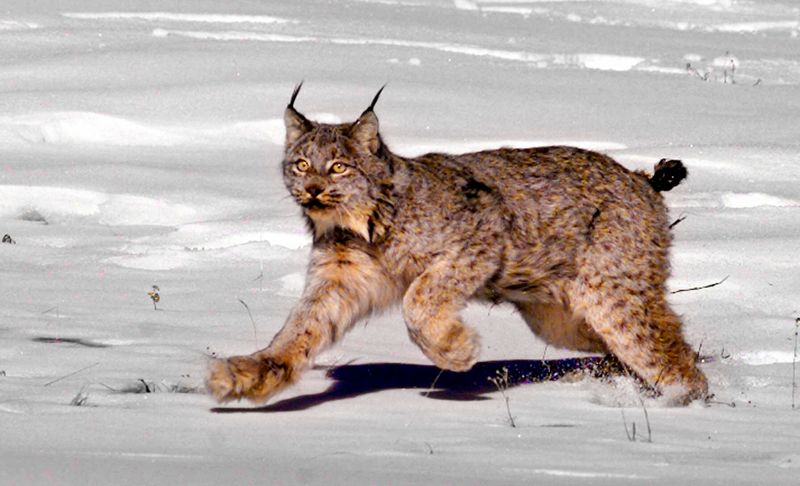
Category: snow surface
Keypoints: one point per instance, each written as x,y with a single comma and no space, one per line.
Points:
139,146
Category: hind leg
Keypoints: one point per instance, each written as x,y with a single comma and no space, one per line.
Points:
620,289
646,336
558,325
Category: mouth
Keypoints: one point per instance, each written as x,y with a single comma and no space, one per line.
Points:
314,204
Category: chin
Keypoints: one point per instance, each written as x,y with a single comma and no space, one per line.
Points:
326,219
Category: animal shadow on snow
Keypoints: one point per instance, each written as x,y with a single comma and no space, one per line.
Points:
353,380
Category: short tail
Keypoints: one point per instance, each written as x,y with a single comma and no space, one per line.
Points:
668,174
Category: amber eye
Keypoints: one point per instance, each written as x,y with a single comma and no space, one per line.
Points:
302,165
338,168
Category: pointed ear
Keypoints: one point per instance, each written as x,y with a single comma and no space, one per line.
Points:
296,124
365,129
365,132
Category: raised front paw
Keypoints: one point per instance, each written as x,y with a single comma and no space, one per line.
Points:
253,377
455,349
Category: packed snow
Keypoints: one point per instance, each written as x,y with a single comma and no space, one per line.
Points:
140,145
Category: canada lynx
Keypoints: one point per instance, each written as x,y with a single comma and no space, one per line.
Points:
576,242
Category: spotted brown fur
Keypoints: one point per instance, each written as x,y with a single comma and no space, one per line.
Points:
575,241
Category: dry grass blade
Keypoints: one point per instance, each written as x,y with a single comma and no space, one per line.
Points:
253,321
70,374
794,363
701,287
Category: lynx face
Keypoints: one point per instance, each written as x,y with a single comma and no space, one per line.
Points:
332,172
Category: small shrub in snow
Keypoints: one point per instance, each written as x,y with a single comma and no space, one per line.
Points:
500,380
143,386
722,69
154,296
80,399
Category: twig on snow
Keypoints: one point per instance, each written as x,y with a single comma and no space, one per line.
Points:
697,354
794,362
631,437
647,421
71,374
701,287
677,221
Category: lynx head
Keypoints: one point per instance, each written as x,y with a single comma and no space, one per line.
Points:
337,173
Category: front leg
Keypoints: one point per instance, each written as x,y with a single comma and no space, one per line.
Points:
344,284
432,304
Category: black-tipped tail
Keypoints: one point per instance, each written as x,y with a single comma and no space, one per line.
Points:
668,174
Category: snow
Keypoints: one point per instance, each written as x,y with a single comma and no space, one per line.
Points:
179,17
140,145
84,128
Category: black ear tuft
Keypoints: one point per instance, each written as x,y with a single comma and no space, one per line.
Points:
294,95
374,100
668,174
296,124
365,129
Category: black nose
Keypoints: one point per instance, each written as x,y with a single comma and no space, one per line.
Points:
314,190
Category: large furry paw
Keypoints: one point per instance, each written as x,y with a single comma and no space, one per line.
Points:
693,386
455,350
253,377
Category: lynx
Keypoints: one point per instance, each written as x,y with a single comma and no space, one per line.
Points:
575,241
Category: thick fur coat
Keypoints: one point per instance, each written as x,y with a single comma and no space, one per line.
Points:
572,239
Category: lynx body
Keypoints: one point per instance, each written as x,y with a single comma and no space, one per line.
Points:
575,241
